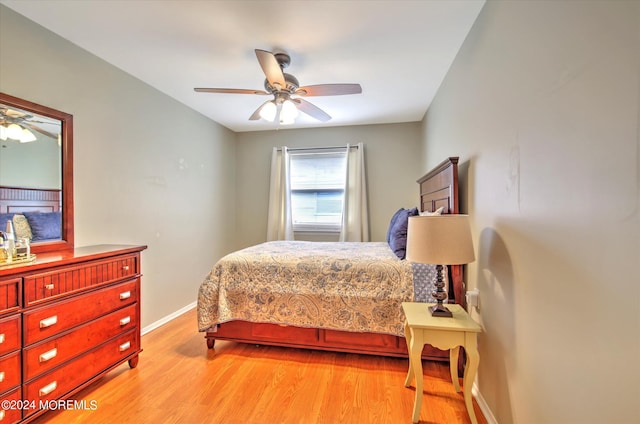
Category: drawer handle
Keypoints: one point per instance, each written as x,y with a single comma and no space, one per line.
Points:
49,355
1,376
125,268
125,321
49,286
48,322
125,295
125,346
2,338
48,388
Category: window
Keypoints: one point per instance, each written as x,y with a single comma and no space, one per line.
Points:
317,190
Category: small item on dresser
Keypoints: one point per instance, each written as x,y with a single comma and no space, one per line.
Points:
23,249
10,240
4,257
16,251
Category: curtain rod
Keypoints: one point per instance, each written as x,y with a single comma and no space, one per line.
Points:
301,149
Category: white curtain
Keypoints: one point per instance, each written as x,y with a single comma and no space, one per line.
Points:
279,222
355,216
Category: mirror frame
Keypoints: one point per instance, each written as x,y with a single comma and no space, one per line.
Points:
66,241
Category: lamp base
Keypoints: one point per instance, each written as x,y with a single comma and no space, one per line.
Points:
440,310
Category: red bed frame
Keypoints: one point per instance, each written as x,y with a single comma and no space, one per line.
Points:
438,188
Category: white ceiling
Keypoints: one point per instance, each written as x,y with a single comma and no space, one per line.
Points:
399,51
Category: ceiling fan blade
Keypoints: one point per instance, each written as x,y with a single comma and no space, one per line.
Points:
271,68
312,110
10,113
329,90
229,91
40,130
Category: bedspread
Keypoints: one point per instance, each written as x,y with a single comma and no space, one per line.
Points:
346,286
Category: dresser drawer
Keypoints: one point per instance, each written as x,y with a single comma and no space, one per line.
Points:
13,413
9,371
51,320
10,294
67,280
45,356
10,334
61,381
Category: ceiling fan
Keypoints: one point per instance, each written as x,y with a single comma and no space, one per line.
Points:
286,91
16,125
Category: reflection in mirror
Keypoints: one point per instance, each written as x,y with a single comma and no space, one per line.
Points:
30,149
36,173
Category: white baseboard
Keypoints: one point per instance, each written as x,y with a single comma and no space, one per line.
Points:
149,328
483,405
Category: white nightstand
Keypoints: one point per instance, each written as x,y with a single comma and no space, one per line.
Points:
421,328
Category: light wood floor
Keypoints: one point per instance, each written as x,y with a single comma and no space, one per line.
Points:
178,380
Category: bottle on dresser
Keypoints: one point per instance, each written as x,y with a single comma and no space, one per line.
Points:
9,241
4,257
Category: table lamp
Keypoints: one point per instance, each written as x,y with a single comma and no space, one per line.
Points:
439,240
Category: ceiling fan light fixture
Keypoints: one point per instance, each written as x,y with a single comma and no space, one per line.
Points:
288,112
27,136
3,132
283,109
284,121
14,131
268,111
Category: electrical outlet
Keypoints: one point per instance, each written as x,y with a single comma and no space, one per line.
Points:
473,298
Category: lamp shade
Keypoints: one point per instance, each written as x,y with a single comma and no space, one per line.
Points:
27,136
268,111
440,240
14,131
288,112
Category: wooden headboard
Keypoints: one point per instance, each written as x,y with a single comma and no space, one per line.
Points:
19,199
440,188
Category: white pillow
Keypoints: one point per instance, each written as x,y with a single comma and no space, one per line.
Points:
22,227
434,213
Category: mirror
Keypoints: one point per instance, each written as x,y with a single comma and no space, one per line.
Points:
36,170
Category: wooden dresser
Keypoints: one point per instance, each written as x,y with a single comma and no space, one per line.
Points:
66,319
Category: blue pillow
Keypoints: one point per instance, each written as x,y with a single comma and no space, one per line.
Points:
398,232
4,217
394,218
45,225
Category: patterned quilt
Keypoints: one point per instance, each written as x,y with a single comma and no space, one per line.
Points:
345,286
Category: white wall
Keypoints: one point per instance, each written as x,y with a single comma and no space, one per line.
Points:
542,105
136,180
391,162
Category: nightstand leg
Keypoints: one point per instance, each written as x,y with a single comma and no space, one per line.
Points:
415,364
453,367
470,370
408,338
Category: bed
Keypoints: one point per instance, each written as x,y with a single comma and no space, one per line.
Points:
328,296
35,213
